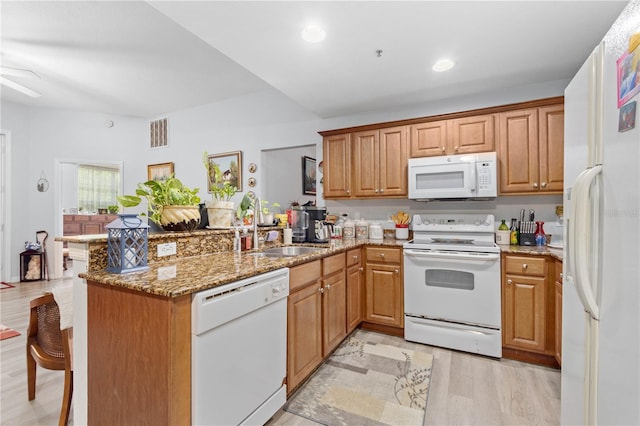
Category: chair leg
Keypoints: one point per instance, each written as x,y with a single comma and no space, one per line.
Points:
66,399
31,376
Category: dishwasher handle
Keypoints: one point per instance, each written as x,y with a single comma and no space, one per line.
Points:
432,254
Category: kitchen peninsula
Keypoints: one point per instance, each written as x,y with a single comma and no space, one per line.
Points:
133,331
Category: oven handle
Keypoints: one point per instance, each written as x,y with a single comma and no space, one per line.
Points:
484,257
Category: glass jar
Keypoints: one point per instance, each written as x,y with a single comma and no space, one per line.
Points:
362,229
375,231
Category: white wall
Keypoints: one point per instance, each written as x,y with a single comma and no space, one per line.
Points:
282,174
259,121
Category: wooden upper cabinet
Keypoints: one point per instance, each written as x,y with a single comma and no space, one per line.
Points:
551,134
337,166
456,136
531,150
379,160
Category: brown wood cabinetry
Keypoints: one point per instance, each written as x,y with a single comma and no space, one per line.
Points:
379,161
86,224
355,289
337,166
316,322
558,317
384,286
456,136
531,146
528,308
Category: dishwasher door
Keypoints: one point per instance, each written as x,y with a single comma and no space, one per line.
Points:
239,346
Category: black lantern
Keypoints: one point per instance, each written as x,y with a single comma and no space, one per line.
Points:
127,244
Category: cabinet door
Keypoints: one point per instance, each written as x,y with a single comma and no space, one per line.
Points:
384,294
392,168
558,315
523,310
472,134
518,142
428,139
355,297
334,311
91,228
551,148
337,166
304,334
366,182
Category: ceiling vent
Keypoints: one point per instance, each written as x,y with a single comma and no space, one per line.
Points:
159,135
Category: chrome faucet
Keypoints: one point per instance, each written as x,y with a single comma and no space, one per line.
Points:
257,216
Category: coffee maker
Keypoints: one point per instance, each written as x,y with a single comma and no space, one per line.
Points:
318,231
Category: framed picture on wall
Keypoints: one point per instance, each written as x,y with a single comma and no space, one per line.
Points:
308,175
159,171
225,167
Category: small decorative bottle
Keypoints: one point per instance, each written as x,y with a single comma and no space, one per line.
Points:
540,235
514,232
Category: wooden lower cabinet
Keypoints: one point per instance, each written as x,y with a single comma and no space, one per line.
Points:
355,289
316,322
384,286
558,317
529,314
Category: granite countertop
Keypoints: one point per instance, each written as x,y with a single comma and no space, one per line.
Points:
532,250
195,273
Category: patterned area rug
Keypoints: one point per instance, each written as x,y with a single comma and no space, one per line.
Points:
365,382
6,332
4,285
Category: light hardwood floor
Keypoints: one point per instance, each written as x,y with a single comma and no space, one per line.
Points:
465,389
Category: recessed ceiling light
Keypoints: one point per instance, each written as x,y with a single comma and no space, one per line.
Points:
443,65
313,34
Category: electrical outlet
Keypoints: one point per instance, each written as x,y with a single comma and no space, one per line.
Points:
166,249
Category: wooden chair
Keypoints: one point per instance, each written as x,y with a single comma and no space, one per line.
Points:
49,347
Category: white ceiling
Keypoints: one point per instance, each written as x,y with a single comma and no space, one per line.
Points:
150,58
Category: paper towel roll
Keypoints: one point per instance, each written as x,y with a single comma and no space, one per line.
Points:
288,236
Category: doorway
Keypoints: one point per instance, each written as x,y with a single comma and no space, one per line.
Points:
5,203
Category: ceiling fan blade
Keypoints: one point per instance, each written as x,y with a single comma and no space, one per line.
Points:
18,72
19,87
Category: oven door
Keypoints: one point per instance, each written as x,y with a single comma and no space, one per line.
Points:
462,287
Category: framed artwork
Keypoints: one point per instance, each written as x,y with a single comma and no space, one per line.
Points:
159,171
225,167
308,175
628,68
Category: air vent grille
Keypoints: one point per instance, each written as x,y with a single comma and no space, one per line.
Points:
159,135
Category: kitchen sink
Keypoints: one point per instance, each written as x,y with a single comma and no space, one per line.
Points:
286,251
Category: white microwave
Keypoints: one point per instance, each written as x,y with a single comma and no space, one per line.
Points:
448,177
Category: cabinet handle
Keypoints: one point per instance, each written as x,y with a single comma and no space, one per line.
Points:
355,258
321,290
455,148
328,286
509,282
535,185
348,191
443,149
560,275
361,269
525,266
544,184
381,254
381,189
376,190
397,271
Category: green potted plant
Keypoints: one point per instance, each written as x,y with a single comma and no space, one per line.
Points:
244,212
268,212
171,205
113,209
220,209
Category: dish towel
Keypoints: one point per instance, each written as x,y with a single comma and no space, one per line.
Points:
64,298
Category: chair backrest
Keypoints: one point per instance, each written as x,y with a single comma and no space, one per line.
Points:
41,237
46,325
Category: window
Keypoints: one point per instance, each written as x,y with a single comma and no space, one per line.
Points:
98,187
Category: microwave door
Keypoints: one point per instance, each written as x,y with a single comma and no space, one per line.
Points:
443,181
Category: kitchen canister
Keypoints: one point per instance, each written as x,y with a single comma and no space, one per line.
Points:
402,231
362,229
349,229
375,231
503,237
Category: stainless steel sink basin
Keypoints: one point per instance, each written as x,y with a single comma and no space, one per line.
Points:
286,251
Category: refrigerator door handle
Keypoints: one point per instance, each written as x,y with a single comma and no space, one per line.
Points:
578,252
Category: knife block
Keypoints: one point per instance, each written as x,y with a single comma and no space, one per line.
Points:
527,233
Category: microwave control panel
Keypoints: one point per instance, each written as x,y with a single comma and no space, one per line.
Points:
486,175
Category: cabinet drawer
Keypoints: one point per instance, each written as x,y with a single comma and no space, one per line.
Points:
82,218
332,264
353,257
72,229
384,254
302,275
525,265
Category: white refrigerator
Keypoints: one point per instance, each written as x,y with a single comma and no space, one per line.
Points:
601,291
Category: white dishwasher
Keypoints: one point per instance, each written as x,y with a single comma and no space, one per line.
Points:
239,350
